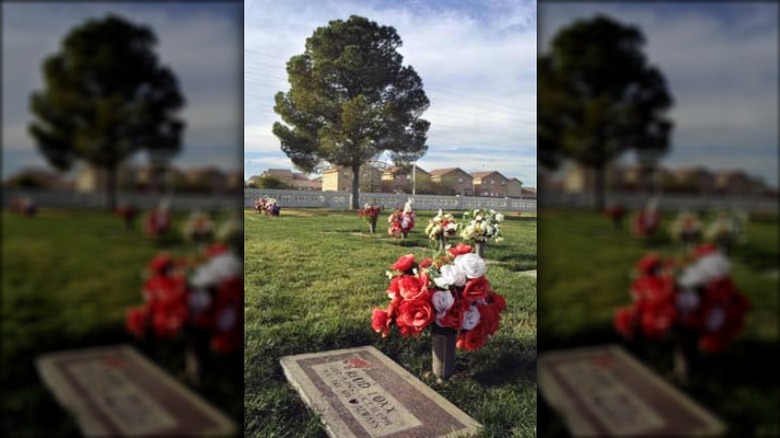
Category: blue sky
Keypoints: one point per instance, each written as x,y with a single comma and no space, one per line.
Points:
200,42
720,61
477,60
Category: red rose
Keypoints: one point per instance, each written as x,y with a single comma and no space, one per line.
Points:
497,301
394,287
404,263
460,248
489,317
473,339
476,289
135,321
392,308
624,321
411,287
414,316
380,322
452,318
426,262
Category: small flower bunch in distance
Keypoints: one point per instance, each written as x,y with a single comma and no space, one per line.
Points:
481,225
442,225
370,211
450,290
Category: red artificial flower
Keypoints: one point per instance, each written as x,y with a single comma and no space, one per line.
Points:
135,321
404,263
472,340
216,249
460,248
380,322
497,300
476,289
453,317
426,262
624,321
648,264
159,264
705,249
414,316
489,317
411,287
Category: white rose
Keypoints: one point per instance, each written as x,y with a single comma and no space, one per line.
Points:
499,217
442,300
451,275
470,319
704,270
471,264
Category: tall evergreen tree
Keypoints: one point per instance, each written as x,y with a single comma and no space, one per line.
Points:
105,97
350,100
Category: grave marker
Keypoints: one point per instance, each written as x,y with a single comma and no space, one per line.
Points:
360,392
116,391
603,391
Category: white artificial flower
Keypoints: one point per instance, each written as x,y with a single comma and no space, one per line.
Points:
198,301
442,300
710,267
470,318
451,275
687,301
216,270
499,217
471,264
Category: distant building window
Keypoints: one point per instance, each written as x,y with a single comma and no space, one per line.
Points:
503,183
460,180
492,182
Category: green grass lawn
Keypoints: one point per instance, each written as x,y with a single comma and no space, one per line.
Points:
312,278
68,278
585,274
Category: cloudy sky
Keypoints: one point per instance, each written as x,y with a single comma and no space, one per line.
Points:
721,63
201,42
477,60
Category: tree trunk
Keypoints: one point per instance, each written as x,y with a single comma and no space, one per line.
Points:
111,172
599,187
355,204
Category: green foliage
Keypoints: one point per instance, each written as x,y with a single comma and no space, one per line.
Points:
105,97
351,99
586,273
271,182
599,97
312,278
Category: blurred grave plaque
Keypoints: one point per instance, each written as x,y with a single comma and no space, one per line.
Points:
604,391
360,392
116,391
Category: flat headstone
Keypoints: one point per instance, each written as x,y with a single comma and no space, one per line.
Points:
116,391
604,391
360,392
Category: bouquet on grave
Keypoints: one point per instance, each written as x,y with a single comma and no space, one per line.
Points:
727,229
158,221
209,301
442,226
686,228
450,291
481,225
646,221
272,207
370,212
699,299
198,228
401,221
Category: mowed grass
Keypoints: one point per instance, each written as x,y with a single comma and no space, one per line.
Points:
312,279
585,273
68,278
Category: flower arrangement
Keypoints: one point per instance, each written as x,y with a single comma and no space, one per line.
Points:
616,212
726,230
686,228
272,207
207,306
451,292
401,221
231,232
442,227
481,225
370,212
127,212
698,303
646,221
198,228
158,221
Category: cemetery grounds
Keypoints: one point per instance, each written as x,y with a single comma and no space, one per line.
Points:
587,274
68,279
312,278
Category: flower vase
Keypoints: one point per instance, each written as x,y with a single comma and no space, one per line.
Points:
685,355
372,225
197,355
443,357
480,248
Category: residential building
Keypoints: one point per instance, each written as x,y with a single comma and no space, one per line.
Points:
404,180
490,183
340,179
453,181
693,180
737,182
514,188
